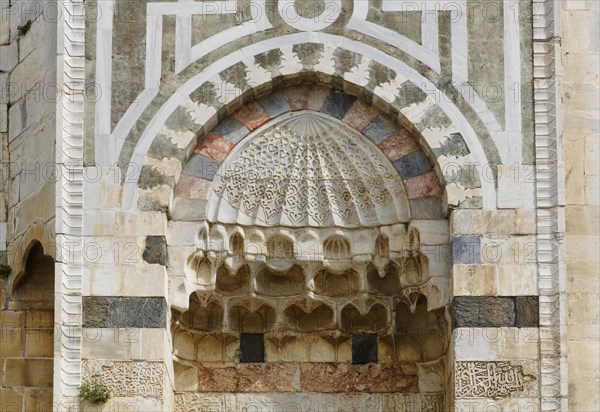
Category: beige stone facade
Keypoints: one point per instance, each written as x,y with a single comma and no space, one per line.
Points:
338,205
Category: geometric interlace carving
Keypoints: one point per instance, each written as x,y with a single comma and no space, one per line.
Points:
308,170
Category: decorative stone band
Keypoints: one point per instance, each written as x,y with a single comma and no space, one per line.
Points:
397,142
230,402
495,312
308,377
124,312
401,143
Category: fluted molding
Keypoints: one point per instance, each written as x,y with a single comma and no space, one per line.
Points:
69,200
550,205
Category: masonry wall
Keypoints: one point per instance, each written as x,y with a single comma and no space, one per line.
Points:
27,129
28,107
581,97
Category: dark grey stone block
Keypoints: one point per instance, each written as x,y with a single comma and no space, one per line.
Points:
96,311
275,104
364,349
337,104
155,250
380,129
138,312
252,348
483,311
124,312
202,166
427,208
527,311
466,249
413,164
231,130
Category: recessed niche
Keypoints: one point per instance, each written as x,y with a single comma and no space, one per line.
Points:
201,266
233,284
280,247
201,317
243,320
332,284
236,244
336,247
382,246
319,318
216,347
271,283
388,285
425,332
374,321
411,270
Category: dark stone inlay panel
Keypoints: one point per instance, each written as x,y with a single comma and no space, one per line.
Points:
466,249
275,104
527,311
337,104
124,312
364,349
380,129
252,347
495,311
413,164
155,250
202,166
231,130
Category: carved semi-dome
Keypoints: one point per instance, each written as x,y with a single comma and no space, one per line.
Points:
307,170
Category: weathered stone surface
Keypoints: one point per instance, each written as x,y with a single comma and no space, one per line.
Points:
489,344
155,250
96,311
188,209
38,400
474,280
427,208
342,377
251,116
425,185
466,249
214,146
191,188
399,145
483,311
360,115
527,311
270,377
297,96
346,402
10,399
123,312
28,372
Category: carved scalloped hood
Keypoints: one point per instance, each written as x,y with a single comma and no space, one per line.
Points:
308,170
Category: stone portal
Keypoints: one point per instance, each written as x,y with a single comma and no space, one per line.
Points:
308,287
